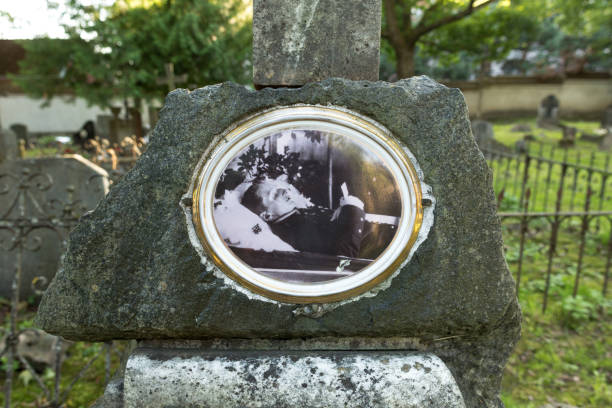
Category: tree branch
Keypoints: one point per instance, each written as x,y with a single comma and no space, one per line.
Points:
421,30
426,14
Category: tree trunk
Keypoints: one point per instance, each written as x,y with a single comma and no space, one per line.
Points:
405,61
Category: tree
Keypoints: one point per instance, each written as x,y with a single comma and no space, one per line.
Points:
407,21
468,47
545,37
118,52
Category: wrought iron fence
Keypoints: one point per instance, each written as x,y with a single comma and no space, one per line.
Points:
545,183
26,213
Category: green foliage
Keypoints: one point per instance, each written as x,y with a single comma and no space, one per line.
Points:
550,37
564,355
582,308
509,203
454,52
120,51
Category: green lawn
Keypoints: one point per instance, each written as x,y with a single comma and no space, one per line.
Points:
565,354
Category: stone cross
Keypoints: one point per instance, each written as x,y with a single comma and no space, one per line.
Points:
170,78
548,112
296,42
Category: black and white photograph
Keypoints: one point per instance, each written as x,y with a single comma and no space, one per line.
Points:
307,206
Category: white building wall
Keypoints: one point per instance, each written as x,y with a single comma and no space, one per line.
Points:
62,116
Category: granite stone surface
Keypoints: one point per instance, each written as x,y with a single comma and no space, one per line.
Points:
131,271
301,41
312,379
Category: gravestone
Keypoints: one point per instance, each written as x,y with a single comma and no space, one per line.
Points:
548,113
115,129
483,132
393,293
48,195
485,138
8,145
22,133
305,41
103,126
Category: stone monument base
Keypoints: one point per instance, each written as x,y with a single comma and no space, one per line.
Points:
270,374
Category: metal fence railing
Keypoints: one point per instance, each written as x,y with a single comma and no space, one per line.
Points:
564,190
27,219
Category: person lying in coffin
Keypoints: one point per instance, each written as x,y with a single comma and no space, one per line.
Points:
313,229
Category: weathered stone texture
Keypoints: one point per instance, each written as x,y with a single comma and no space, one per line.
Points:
288,379
131,272
296,42
35,191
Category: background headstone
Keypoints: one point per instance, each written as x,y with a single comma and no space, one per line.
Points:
483,131
548,113
22,133
8,145
301,41
103,126
139,276
51,189
485,137
569,136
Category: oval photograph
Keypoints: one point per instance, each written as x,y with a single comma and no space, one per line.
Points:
308,204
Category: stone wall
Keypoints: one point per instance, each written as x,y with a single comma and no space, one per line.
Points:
584,98
64,115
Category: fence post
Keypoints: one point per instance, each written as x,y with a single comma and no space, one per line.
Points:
537,176
525,179
605,283
554,235
522,242
548,176
583,231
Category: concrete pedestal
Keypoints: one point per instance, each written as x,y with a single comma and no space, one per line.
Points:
166,377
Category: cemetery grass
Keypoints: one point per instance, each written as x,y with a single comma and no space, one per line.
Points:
565,353
47,146
508,173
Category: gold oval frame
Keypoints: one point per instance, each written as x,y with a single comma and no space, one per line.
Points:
284,116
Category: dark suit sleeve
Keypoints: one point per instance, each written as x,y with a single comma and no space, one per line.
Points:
349,231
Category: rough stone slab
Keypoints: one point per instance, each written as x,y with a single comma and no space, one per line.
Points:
131,272
113,395
192,378
301,41
49,187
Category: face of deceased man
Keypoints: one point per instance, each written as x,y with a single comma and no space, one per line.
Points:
278,198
